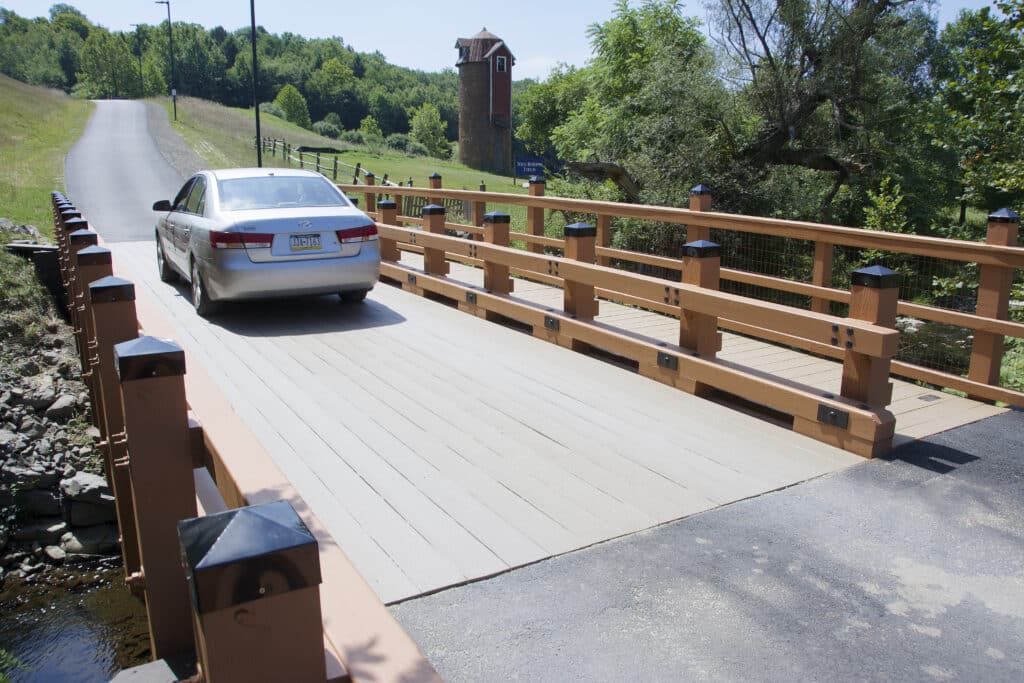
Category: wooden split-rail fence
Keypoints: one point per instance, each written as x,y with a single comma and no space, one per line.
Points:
852,415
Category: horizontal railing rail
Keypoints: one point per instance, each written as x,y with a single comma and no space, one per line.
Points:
985,325
854,416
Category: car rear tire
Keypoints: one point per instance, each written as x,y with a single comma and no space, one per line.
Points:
353,297
200,299
167,273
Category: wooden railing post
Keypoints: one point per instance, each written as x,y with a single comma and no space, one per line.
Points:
254,575
434,183
433,222
535,214
387,213
93,263
71,221
334,170
578,298
604,236
822,275
874,296
496,229
112,303
151,372
702,263
994,286
78,240
700,200
479,210
370,196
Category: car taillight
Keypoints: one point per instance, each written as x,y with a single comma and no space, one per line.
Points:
240,240
362,233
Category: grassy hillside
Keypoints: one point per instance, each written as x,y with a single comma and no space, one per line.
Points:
39,127
223,137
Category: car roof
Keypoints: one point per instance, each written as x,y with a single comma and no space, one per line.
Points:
231,173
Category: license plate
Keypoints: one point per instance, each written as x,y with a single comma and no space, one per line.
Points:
304,242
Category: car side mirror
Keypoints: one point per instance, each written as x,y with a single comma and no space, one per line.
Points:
162,205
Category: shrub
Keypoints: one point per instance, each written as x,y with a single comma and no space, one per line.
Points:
327,129
398,141
417,149
354,137
272,109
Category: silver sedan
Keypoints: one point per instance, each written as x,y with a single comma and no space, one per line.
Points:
258,233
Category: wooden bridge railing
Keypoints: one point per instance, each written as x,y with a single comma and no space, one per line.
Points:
997,260
230,562
854,418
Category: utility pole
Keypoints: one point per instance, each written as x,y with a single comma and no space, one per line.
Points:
255,83
170,43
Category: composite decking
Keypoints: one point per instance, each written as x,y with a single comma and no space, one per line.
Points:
438,448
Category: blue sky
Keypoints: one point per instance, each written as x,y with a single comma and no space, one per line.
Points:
413,33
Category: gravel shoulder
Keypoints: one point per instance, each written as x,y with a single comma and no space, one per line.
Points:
175,152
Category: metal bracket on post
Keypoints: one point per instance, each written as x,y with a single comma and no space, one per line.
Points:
833,416
471,298
668,360
553,324
412,279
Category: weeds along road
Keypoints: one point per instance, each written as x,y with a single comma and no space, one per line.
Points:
115,172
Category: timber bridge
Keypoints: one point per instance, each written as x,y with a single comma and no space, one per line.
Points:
282,474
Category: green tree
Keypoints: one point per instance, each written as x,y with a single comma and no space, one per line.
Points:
332,88
427,129
108,69
369,128
293,104
979,107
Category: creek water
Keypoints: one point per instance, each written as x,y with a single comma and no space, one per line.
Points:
73,625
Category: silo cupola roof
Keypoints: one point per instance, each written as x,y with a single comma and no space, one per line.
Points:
480,47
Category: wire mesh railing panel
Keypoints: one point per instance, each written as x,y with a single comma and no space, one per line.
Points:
941,283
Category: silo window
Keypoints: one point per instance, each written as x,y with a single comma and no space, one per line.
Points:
463,52
502,65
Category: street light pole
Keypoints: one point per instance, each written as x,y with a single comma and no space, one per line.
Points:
170,42
255,99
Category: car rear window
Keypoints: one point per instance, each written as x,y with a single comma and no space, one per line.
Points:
269,192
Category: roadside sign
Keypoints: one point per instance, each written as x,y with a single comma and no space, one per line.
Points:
529,166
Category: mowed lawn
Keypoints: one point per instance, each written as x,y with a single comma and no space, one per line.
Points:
39,127
223,137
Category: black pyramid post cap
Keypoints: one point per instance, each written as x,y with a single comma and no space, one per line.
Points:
83,238
69,211
433,210
1004,216
65,205
386,204
876,277
497,217
581,230
55,193
700,189
247,554
537,180
434,176
73,224
354,200
93,256
110,289
702,249
147,357
369,174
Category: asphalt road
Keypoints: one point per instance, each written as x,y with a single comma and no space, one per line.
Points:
903,570
116,171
